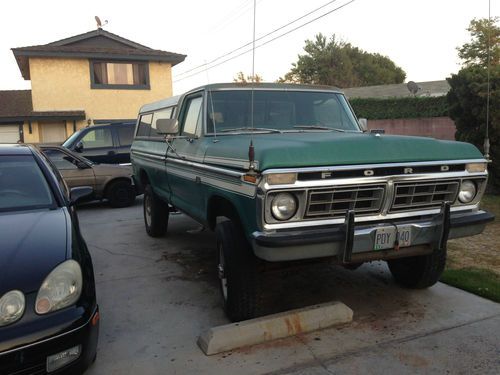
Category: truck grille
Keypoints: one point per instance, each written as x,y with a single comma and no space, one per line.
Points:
335,201
423,195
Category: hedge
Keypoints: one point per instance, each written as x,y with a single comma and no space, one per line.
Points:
407,107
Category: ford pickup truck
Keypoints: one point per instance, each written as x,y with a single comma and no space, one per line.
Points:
287,173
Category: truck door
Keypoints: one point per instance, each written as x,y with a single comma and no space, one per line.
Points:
188,150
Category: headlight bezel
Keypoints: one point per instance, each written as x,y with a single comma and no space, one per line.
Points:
47,300
4,321
283,196
461,192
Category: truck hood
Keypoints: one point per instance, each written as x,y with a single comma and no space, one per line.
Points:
32,243
311,149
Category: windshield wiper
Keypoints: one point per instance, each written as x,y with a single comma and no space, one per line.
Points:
318,127
250,129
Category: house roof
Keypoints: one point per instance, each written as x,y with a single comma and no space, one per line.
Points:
429,88
97,44
17,105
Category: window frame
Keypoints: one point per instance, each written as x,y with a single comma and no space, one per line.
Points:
92,128
182,115
110,86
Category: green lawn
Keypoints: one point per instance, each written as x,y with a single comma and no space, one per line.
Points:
474,262
482,282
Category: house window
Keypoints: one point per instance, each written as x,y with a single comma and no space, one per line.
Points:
121,75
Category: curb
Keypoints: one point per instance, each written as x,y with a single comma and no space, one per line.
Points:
267,328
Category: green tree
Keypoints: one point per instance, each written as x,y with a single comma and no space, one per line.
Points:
241,78
338,63
484,33
467,98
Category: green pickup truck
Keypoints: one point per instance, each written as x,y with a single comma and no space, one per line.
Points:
287,173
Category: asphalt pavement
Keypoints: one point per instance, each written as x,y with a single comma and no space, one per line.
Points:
156,296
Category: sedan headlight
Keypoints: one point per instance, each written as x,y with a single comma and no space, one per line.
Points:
61,288
11,307
467,191
283,206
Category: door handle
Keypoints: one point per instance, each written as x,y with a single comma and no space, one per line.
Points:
111,153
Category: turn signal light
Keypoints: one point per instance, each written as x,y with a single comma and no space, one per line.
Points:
281,178
475,167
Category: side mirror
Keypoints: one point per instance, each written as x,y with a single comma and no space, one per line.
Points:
79,146
81,165
167,126
80,194
363,124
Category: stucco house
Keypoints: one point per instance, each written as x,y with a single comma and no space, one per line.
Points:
96,77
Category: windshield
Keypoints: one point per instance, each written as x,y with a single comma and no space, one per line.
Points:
230,110
68,142
23,185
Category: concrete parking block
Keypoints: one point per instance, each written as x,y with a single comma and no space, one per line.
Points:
277,326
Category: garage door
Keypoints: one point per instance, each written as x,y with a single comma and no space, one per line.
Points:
53,132
9,133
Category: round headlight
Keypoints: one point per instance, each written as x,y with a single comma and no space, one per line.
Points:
11,307
283,206
467,191
61,288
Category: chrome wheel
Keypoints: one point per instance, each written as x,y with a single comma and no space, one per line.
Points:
222,273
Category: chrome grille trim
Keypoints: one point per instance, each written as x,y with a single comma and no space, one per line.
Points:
423,195
335,201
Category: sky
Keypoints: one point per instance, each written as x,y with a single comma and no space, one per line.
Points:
420,36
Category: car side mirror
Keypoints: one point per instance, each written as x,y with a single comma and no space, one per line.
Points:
167,126
81,165
363,124
79,194
79,146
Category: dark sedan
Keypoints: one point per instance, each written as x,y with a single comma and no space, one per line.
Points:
49,318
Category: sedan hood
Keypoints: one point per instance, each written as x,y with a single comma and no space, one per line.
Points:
312,149
32,243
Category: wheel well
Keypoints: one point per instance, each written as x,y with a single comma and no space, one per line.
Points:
111,182
143,179
221,207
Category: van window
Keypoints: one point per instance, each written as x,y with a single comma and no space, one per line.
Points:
144,127
97,138
159,115
192,121
125,135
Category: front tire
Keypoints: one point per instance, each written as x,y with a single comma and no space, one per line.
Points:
237,268
120,194
419,272
156,213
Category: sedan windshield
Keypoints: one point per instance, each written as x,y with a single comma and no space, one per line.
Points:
23,185
278,111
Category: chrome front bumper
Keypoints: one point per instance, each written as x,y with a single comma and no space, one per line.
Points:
354,243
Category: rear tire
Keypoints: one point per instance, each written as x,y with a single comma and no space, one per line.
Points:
418,272
238,270
120,194
156,213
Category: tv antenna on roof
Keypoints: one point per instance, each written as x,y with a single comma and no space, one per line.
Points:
99,23
413,87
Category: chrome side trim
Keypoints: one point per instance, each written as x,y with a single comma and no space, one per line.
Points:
371,166
205,167
50,338
148,155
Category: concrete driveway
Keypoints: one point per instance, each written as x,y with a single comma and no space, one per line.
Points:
157,295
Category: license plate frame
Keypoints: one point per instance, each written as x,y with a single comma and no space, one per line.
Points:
385,237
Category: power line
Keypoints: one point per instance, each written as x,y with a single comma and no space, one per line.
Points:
263,44
260,38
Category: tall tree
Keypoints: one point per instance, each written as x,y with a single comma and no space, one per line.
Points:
338,63
484,32
467,98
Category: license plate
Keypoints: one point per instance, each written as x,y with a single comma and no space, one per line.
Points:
385,237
